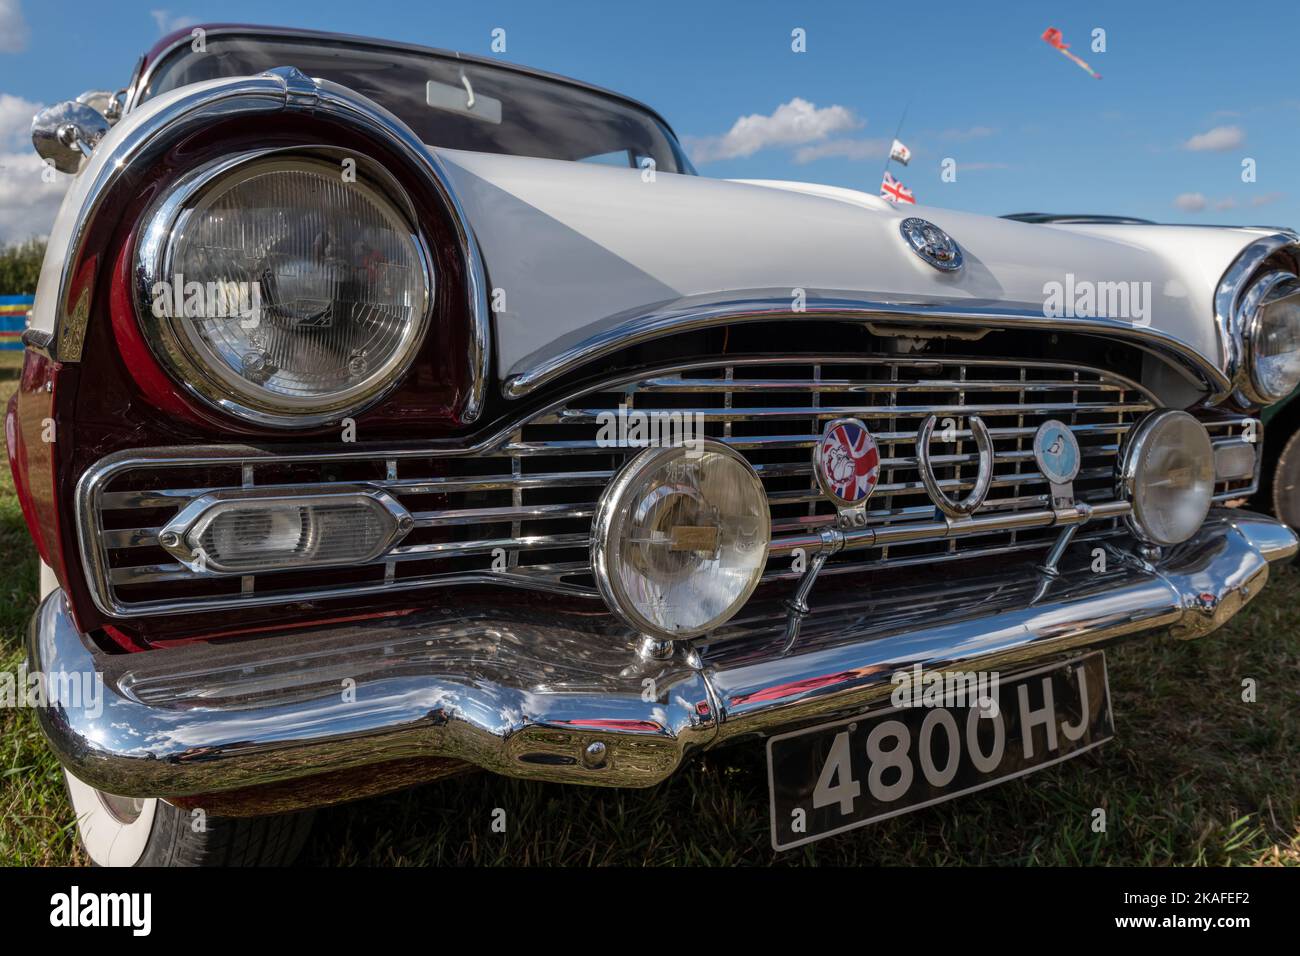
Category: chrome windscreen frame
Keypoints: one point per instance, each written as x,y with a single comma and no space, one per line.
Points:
136,146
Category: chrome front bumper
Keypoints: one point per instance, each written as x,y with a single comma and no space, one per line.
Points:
566,696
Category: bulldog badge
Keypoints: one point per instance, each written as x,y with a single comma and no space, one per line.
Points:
846,462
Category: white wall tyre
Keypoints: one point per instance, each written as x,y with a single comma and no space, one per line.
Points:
122,831
114,831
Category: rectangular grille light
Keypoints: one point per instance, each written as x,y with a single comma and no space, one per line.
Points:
251,530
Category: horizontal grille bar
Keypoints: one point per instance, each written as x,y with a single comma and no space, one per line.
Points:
593,415
846,385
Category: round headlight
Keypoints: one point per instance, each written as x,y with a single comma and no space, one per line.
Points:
680,539
284,291
1271,324
1168,476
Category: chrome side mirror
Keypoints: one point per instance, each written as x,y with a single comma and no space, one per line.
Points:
67,133
107,103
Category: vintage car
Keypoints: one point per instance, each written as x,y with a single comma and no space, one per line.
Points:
390,413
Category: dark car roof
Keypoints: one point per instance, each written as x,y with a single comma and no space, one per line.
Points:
183,36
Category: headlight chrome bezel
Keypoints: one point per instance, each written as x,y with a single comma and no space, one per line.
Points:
1260,295
212,386
1134,450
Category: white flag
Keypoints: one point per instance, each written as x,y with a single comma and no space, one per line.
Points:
900,152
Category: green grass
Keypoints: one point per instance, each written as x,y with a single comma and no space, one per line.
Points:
1195,777
35,819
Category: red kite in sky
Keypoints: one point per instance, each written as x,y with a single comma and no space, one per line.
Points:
1054,38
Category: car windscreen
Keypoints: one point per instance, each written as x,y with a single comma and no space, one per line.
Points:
448,101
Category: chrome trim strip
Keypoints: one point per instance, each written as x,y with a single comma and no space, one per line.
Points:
143,144
524,694
587,346
591,415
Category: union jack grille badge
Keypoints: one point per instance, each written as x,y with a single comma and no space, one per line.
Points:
847,462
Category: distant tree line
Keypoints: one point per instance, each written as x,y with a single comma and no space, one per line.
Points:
20,267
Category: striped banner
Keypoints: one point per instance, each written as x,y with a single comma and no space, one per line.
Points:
13,319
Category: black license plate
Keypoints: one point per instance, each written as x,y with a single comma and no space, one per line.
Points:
930,743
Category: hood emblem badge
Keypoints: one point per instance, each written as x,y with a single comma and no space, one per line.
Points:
847,463
931,243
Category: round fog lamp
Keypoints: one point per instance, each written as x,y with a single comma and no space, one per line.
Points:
680,539
1168,477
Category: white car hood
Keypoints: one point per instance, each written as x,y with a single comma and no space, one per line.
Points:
569,245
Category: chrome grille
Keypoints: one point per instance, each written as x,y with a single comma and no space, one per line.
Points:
517,507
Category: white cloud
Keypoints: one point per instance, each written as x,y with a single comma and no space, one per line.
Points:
791,124
1227,202
167,21
27,201
16,121
13,28
843,149
1217,140
1266,200
1190,202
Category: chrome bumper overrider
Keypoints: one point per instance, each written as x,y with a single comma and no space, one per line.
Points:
528,693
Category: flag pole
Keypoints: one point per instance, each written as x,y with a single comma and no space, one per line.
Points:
889,153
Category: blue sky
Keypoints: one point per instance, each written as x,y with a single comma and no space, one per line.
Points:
1028,129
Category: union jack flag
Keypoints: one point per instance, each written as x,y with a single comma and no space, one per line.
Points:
895,191
850,461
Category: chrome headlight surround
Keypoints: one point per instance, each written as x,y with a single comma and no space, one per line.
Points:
617,507
216,385
1134,462
1269,289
